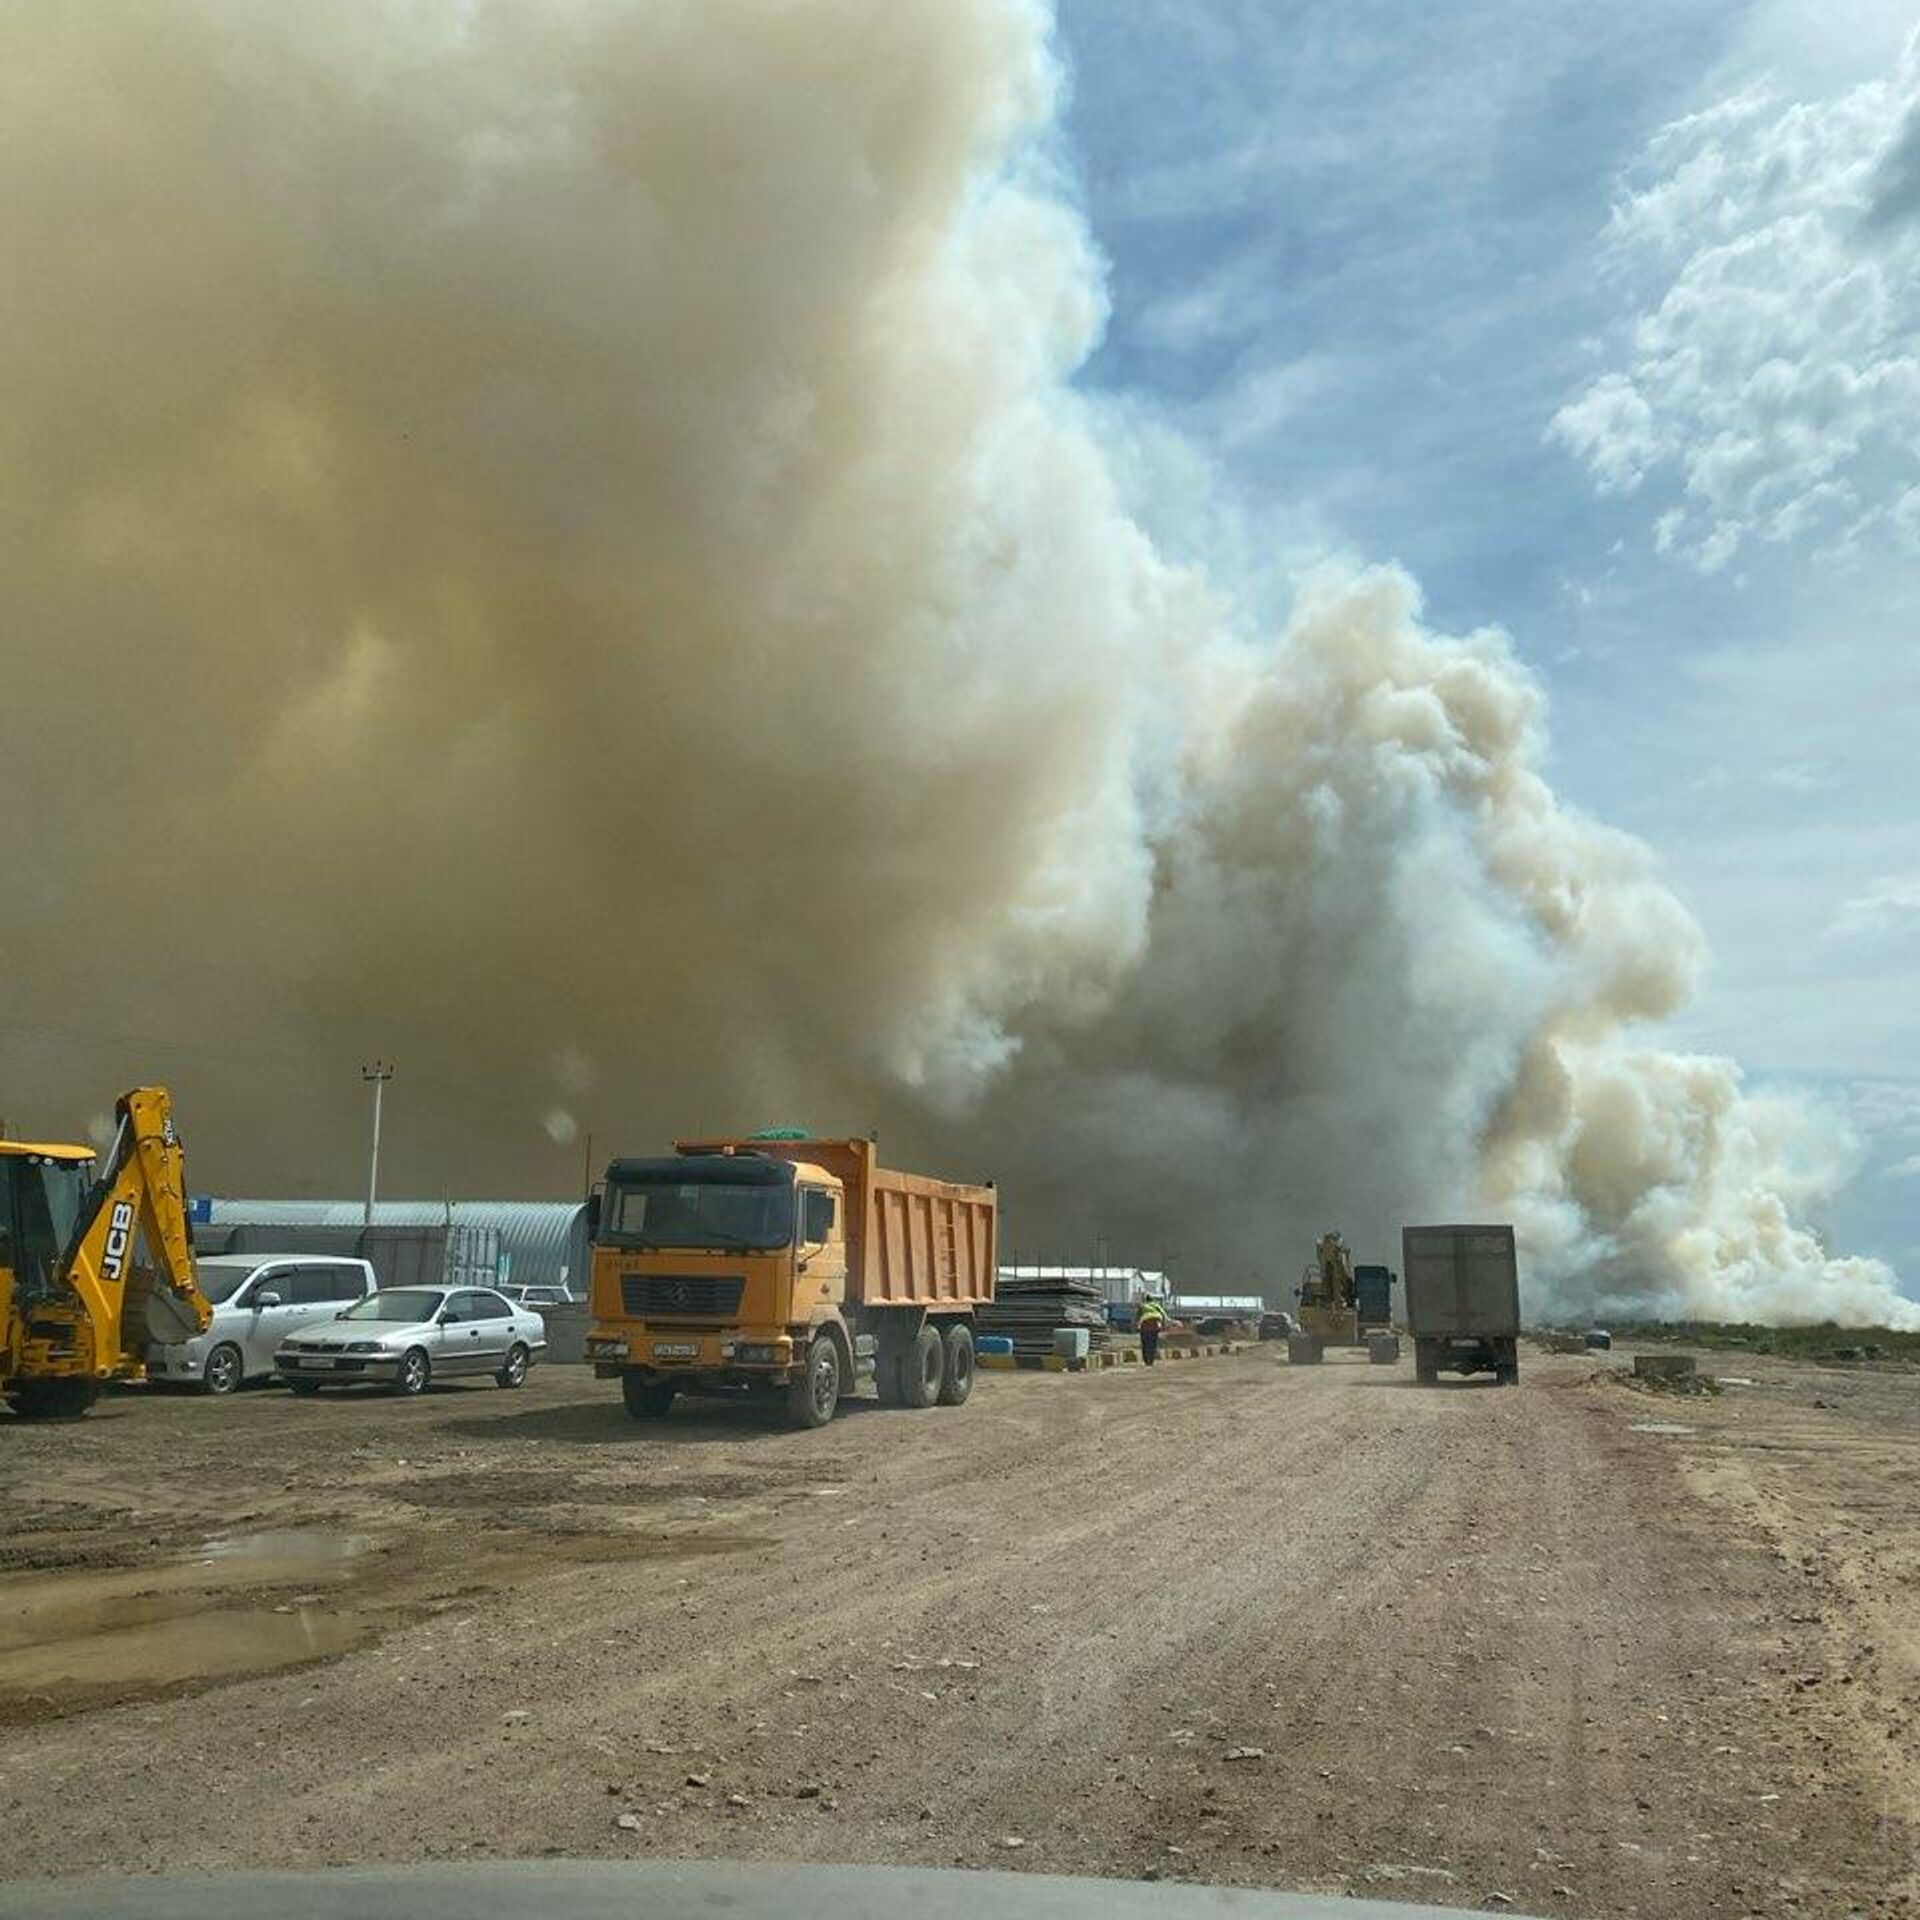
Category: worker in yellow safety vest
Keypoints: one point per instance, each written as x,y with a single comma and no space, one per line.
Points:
1150,1319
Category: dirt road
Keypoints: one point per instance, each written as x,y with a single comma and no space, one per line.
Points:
1312,1628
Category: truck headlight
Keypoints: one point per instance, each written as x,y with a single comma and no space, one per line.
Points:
763,1354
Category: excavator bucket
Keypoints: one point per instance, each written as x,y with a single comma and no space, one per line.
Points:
152,1314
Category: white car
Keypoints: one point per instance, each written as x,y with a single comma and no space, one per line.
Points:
407,1337
258,1301
537,1298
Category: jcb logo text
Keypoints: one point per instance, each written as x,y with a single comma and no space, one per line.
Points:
119,1238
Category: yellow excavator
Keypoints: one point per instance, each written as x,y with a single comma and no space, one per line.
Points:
1328,1315
93,1267
1330,1310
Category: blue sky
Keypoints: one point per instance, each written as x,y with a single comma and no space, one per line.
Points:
1605,323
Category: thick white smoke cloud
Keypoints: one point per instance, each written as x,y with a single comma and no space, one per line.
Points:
557,541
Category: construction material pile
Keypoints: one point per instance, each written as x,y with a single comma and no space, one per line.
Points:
1027,1311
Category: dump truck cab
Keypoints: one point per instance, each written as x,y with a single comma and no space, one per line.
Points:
786,1264
708,1263
1373,1297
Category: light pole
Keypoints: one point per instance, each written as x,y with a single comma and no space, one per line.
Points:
378,1072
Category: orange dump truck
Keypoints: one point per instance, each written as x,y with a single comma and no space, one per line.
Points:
787,1266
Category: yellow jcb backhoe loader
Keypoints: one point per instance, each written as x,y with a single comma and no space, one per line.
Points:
91,1270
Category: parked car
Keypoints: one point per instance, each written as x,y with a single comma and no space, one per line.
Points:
1224,1326
258,1299
538,1298
407,1337
1599,1340
1278,1326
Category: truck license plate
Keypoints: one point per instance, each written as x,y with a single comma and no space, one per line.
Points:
675,1350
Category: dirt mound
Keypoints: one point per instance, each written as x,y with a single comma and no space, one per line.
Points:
1682,1386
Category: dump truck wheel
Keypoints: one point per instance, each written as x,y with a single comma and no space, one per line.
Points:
225,1370
414,1373
647,1399
814,1392
923,1369
65,1399
957,1381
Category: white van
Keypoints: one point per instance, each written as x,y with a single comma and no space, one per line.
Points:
257,1300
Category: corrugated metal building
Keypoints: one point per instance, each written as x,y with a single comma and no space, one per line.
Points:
544,1243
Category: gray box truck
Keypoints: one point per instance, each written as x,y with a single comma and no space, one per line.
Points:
1463,1301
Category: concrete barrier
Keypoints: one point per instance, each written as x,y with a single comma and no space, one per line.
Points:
1664,1366
1097,1362
566,1335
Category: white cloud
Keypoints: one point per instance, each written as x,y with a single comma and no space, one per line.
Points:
1906,519
1885,1108
1612,428
1772,370
1907,1169
1890,905
1802,777
1266,398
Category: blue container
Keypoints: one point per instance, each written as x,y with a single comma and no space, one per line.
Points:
994,1343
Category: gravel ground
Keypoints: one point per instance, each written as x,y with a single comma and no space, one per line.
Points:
1225,1621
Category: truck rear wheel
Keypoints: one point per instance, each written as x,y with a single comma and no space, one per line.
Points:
814,1391
957,1382
923,1369
646,1399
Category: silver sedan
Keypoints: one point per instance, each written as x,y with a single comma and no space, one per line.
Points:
407,1337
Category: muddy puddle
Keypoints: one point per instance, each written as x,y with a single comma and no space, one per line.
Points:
258,1603
133,1629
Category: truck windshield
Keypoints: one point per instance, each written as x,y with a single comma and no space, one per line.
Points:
706,1214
